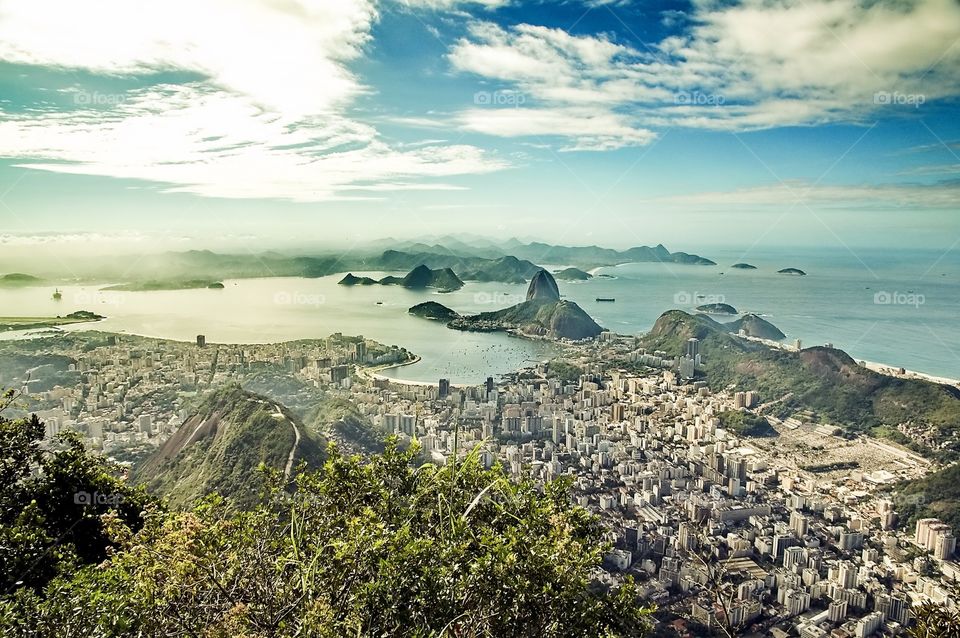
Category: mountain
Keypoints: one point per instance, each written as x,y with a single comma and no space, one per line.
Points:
823,380
219,447
754,326
572,274
559,319
419,277
433,310
543,286
507,269
352,280
424,277
543,314
583,256
936,495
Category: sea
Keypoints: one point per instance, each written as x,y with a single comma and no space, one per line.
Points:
900,308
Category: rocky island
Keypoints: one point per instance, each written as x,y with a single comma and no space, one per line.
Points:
743,266
717,309
543,314
791,271
572,274
422,276
433,310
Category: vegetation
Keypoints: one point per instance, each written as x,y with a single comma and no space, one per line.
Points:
572,274
58,518
717,309
378,548
746,423
214,451
935,621
537,317
936,495
166,284
433,310
823,380
564,370
18,279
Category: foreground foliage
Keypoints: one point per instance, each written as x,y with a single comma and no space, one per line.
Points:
356,548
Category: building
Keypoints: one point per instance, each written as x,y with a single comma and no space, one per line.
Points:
443,390
201,341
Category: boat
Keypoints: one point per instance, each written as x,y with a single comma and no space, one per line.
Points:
57,295
611,299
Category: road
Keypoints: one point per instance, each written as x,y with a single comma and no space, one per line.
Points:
296,442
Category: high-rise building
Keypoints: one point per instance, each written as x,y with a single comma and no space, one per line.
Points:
444,388
798,523
201,341
693,348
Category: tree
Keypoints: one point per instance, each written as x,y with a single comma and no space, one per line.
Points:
935,621
357,548
52,503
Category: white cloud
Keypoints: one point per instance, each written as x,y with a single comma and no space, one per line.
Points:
752,65
268,120
588,130
204,141
942,195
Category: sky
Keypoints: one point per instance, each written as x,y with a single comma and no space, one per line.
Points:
192,123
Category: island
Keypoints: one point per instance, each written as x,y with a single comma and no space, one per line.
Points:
352,280
166,284
433,310
717,309
572,274
543,314
18,279
422,276
743,266
791,271
39,323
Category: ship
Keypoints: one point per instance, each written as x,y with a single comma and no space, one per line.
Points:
611,299
57,295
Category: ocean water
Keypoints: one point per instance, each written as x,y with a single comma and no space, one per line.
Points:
899,308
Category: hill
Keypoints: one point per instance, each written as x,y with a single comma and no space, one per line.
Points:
754,326
352,280
433,310
823,380
507,269
572,274
543,314
424,277
218,449
18,279
717,309
934,496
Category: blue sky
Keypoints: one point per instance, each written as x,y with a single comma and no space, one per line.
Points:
581,121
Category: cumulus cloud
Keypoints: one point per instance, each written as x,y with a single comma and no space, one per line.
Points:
269,118
752,65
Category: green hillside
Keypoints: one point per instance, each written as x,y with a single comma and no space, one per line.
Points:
220,447
825,380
